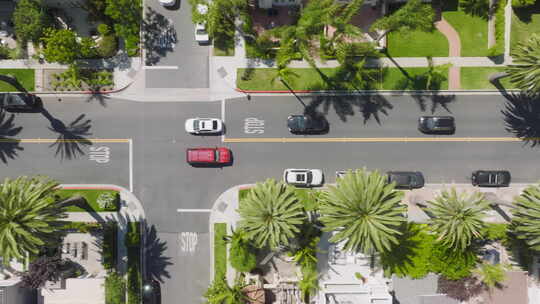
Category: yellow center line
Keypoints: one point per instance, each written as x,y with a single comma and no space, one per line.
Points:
369,139
54,140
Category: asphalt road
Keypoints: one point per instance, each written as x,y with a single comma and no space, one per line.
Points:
164,182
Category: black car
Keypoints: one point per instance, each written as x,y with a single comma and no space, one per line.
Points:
406,179
23,102
491,178
151,292
307,124
437,124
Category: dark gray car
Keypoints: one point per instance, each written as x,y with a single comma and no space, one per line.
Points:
19,102
437,124
491,178
307,124
406,179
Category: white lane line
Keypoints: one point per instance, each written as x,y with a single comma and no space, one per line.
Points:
160,67
130,165
194,210
223,119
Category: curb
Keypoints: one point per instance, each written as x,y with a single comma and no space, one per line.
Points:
379,92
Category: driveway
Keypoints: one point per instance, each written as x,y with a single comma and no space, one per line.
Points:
183,64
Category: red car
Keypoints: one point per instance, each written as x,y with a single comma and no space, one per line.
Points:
208,156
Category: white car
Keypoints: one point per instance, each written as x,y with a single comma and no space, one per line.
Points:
167,3
201,35
303,177
204,125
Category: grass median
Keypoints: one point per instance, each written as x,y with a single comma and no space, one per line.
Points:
477,78
25,77
220,250
97,200
310,79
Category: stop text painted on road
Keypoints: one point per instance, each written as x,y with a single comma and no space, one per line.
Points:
188,241
100,155
253,125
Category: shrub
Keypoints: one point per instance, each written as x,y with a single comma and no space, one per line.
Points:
41,270
115,289
522,3
134,283
451,264
109,247
106,200
419,253
133,236
495,232
103,29
87,48
29,19
498,48
107,46
4,52
241,254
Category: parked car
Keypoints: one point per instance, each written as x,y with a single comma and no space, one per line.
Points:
340,174
406,179
204,125
306,124
151,292
437,124
201,35
208,156
167,3
303,177
20,102
491,178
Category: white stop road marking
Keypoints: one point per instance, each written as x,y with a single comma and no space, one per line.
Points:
188,241
253,125
100,155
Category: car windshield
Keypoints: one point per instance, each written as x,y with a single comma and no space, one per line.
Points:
301,122
201,32
214,125
300,177
196,125
309,177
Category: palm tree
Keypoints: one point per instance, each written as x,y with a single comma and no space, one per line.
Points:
308,284
29,214
271,214
491,275
340,19
526,220
221,293
364,210
525,71
458,218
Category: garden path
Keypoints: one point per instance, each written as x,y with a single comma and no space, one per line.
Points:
454,45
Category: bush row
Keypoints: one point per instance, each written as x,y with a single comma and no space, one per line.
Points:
498,48
134,277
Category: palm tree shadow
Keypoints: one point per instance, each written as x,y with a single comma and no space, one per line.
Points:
9,147
156,263
521,117
99,97
399,260
71,137
13,82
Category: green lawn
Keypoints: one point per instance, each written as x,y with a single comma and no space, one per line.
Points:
91,196
525,21
417,44
477,78
24,76
220,249
472,32
309,79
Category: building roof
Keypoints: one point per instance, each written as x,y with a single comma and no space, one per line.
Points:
419,291
77,291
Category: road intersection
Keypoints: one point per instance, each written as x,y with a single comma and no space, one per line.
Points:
147,141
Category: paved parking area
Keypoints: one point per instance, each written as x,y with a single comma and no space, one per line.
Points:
185,63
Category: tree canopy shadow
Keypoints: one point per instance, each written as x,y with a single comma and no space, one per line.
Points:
399,259
98,96
159,36
370,106
71,137
13,82
156,263
9,147
521,116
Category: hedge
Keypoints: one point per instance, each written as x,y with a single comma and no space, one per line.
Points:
220,250
109,249
498,48
92,197
134,277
